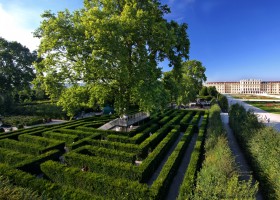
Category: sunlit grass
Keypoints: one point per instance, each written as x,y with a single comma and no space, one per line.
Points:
251,96
272,107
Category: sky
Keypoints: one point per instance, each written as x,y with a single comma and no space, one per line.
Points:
234,39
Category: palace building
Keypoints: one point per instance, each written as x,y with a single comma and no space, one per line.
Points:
247,86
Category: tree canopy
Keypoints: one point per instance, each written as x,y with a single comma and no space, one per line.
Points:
193,76
16,72
112,46
16,69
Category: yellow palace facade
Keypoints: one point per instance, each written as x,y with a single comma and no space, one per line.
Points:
247,86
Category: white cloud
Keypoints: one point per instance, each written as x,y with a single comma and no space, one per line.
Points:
17,24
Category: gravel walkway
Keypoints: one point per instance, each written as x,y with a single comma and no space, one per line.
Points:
274,119
240,159
157,172
173,190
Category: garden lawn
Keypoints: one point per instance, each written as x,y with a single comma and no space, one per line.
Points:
272,107
251,96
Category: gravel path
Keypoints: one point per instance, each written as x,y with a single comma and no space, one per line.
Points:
177,180
173,190
240,159
157,172
274,119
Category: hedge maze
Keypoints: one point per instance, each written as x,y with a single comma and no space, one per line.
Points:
75,160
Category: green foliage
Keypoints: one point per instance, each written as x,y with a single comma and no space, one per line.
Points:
16,70
212,91
21,146
193,75
40,109
218,177
188,183
12,192
107,153
169,169
150,164
31,144
103,165
47,189
73,99
24,120
69,139
122,45
11,157
95,183
136,139
44,142
131,148
261,145
204,91
171,85
223,102
185,121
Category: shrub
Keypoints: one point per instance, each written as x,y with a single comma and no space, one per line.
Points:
150,164
69,139
103,165
219,175
187,185
107,153
161,184
47,189
261,147
223,102
12,192
98,184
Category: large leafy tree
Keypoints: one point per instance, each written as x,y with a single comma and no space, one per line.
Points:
212,91
16,72
171,85
16,69
112,46
203,91
193,76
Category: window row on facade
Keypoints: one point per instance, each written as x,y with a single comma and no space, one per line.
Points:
248,86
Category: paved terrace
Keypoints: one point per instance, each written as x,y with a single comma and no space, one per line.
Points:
274,119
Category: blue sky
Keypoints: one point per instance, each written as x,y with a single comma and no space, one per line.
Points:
234,39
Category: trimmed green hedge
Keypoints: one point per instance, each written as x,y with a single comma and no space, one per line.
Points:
151,163
45,142
68,139
107,153
32,164
130,148
98,184
84,141
44,187
188,183
261,147
163,181
30,147
186,120
105,132
11,157
23,147
103,165
136,139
